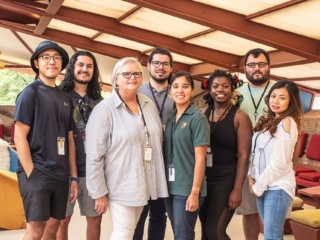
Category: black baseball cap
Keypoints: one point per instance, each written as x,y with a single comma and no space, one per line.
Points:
49,45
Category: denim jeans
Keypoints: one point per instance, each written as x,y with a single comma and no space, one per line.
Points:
273,206
183,222
157,221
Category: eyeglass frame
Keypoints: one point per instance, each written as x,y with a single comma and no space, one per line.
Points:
264,64
54,58
131,74
161,63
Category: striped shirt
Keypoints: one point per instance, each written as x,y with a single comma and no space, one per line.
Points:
115,153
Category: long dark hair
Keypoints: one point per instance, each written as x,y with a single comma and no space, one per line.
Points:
94,88
294,110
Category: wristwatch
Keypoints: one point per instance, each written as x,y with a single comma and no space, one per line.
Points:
75,179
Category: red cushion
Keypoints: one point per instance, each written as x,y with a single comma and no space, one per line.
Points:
1,131
303,141
310,176
313,151
306,183
303,169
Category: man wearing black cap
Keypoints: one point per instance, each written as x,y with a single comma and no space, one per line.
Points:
45,145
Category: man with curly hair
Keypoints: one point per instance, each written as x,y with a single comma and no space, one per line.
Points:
82,84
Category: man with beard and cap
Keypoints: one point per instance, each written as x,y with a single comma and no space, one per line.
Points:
45,145
257,70
82,84
160,69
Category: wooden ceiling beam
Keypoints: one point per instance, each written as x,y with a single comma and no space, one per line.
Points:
236,24
274,9
111,26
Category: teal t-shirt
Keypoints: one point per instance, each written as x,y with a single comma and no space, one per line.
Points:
192,130
247,105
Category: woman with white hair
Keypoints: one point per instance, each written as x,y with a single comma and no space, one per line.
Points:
125,165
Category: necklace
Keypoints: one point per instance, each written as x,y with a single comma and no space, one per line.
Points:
224,111
256,106
219,114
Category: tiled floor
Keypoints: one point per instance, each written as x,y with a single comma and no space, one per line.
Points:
78,227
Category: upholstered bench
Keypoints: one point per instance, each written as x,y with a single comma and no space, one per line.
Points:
305,224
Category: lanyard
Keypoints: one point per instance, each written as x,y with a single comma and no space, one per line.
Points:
254,103
143,119
157,104
222,115
173,129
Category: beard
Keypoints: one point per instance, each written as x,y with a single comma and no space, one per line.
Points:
81,81
258,81
160,80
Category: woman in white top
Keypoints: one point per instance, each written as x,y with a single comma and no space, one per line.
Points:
125,166
271,175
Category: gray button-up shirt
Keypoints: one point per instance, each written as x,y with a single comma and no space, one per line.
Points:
115,153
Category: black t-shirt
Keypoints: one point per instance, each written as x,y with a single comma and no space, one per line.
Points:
82,107
48,113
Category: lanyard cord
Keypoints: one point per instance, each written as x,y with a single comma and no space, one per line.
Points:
143,119
222,115
157,104
254,148
173,129
254,103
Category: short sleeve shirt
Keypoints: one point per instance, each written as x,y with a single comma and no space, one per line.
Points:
48,113
159,98
181,138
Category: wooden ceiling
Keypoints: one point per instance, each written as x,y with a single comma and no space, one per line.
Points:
202,35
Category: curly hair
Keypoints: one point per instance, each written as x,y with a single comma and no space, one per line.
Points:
94,88
269,122
236,97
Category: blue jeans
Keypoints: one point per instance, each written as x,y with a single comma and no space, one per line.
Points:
273,206
157,221
183,222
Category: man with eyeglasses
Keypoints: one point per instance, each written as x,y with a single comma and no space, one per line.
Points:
257,70
82,83
45,144
160,69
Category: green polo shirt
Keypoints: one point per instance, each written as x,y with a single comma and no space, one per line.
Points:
192,130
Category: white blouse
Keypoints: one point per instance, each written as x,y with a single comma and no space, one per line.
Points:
273,160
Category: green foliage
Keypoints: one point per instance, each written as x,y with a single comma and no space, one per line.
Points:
11,84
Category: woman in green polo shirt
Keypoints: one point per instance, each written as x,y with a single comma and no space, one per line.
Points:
186,142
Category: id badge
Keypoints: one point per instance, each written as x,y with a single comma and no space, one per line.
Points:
209,157
60,143
171,173
148,154
84,145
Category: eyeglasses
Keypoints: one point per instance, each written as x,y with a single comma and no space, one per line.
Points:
157,64
84,110
254,64
128,75
47,58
